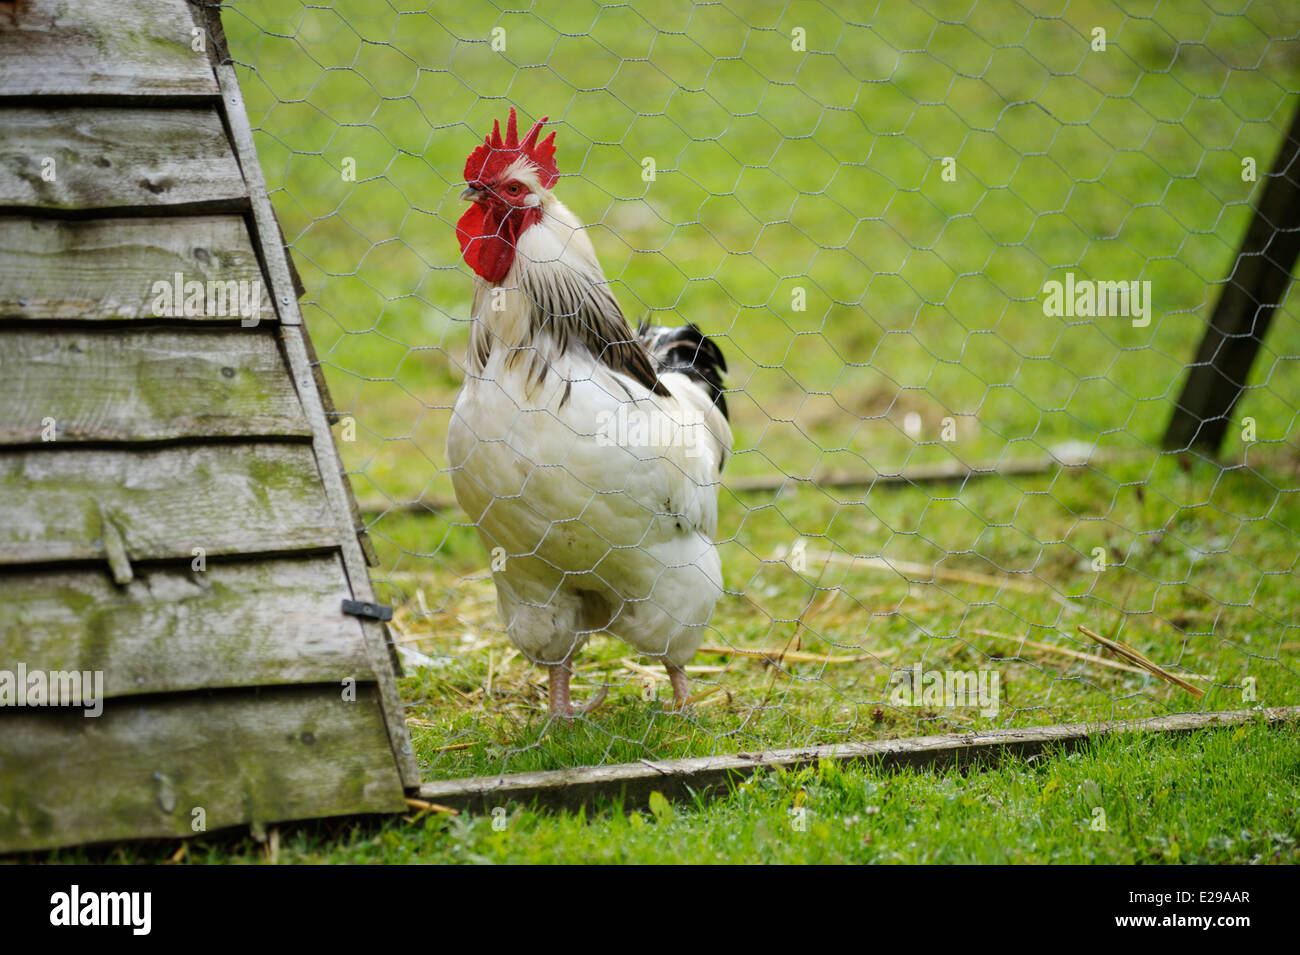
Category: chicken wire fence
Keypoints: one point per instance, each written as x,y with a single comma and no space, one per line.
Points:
957,256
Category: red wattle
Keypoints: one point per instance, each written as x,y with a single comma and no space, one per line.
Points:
469,226
487,238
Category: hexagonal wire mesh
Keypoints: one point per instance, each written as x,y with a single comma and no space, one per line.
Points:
864,211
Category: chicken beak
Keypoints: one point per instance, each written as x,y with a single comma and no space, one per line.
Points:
472,194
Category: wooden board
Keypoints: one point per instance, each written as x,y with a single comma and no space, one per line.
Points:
102,269
143,767
112,158
310,382
1254,291
102,384
62,503
246,623
265,226
632,783
127,48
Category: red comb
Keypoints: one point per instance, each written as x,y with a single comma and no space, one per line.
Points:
495,155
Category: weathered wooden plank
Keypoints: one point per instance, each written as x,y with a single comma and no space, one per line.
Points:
101,269
99,384
145,766
80,159
233,624
1261,276
56,501
310,384
684,778
285,282
127,48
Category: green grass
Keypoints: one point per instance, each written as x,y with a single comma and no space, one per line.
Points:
778,171
1219,797
1163,597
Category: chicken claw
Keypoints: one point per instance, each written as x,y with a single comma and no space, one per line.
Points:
561,705
681,686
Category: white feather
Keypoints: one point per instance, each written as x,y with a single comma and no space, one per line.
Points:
597,535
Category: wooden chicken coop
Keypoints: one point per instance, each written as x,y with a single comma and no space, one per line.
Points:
173,517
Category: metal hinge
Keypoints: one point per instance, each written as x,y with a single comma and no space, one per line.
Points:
359,608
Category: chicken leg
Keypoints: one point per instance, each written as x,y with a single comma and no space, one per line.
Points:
561,704
681,686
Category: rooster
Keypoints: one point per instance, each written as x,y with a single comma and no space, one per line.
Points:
587,456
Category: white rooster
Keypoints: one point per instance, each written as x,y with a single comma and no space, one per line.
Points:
587,456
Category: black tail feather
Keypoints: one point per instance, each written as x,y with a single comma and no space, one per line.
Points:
689,351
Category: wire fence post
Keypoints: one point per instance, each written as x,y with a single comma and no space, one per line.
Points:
1258,284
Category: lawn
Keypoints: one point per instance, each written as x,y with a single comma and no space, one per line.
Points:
799,213
1214,797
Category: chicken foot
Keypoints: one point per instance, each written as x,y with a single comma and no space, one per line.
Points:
681,686
561,705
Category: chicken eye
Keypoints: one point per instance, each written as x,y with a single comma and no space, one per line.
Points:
513,189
